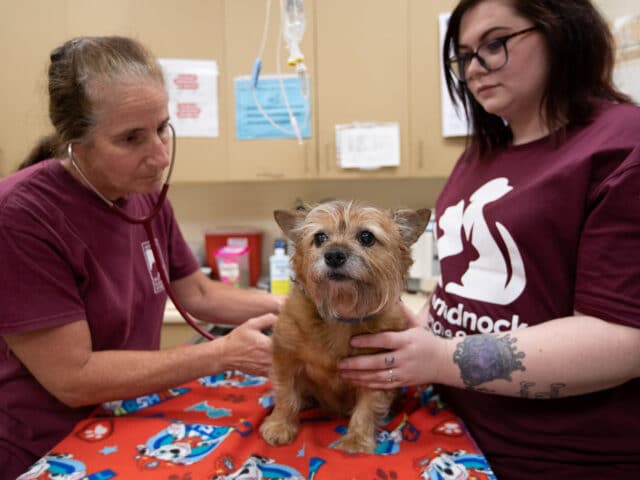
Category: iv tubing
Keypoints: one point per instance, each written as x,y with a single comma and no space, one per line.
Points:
296,130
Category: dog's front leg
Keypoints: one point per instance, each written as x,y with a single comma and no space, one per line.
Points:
281,426
371,407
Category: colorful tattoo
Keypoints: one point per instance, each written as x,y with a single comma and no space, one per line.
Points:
483,358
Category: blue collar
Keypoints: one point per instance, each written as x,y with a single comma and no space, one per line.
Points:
355,320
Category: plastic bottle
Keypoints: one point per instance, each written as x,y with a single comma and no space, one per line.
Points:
279,270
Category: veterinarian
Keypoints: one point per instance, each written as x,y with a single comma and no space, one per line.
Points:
81,303
537,314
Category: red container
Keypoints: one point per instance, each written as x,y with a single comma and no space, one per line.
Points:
220,237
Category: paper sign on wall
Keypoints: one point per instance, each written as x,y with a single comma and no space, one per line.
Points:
626,31
192,86
368,146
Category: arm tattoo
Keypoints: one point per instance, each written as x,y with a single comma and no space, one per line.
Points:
483,358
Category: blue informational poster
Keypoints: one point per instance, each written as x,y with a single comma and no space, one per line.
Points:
262,112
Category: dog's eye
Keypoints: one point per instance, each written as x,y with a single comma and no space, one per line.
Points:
366,238
319,238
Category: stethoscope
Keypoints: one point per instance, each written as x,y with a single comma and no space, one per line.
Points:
148,227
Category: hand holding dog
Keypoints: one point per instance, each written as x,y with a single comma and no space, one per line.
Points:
412,358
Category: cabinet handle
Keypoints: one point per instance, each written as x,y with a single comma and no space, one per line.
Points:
420,154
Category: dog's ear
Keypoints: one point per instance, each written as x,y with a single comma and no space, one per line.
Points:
411,223
290,220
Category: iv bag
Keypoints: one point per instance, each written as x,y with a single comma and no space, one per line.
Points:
293,26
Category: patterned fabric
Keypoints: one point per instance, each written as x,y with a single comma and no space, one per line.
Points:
208,429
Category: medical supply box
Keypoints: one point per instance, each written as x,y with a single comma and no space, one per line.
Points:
233,265
217,238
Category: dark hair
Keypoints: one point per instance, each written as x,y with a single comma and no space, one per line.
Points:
78,70
581,55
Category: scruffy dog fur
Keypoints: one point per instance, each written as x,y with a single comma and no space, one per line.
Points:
350,262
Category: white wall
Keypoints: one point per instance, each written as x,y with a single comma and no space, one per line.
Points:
616,8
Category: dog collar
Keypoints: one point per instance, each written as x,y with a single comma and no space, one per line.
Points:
355,320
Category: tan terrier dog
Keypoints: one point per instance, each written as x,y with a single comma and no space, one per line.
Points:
351,262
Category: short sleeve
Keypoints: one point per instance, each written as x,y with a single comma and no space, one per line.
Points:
608,268
38,288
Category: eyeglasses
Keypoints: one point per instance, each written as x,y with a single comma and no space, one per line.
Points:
492,55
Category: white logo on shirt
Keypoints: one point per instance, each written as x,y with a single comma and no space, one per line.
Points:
152,267
487,278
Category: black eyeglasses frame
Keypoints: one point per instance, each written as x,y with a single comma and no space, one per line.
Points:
468,57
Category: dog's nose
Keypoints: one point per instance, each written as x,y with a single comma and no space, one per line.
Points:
335,258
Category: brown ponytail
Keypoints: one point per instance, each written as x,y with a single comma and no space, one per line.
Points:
44,149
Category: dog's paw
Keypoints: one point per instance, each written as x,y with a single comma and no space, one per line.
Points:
355,444
277,432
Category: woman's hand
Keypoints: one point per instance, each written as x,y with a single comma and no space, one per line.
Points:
247,347
279,300
412,357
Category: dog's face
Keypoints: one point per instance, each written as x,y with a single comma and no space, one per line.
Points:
352,259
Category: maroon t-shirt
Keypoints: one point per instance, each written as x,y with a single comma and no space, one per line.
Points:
535,233
65,256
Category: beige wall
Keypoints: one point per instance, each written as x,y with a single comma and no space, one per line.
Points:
202,206
198,206
31,28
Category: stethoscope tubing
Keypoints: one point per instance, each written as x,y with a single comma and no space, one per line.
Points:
148,228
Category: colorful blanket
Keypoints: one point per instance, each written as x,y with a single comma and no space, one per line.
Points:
208,429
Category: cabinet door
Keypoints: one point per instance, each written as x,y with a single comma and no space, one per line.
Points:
190,29
29,30
362,75
264,159
432,155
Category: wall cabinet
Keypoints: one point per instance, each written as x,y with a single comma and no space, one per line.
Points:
431,155
264,159
29,30
369,61
190,30
361,76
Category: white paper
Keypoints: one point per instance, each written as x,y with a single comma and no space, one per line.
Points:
192,86
626,31
423,253
368,146
454,123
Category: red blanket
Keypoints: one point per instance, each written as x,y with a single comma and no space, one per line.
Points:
208,429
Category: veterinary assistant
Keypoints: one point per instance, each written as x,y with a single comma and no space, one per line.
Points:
82,302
